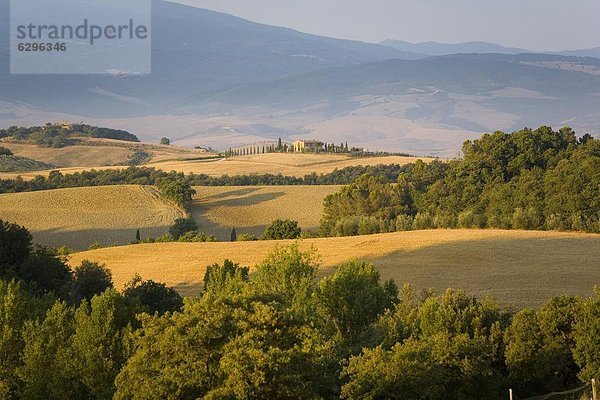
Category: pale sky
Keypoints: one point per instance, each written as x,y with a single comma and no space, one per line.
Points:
542,25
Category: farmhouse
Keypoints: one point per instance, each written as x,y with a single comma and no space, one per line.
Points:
307,146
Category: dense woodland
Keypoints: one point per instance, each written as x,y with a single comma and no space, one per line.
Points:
276,334
531,179
59,135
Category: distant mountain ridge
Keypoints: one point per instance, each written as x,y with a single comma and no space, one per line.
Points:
444,49
221,81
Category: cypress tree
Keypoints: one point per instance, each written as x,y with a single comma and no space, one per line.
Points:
138,237
233,235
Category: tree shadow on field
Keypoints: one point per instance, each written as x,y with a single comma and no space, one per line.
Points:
231,193
247,200
516,272
82,239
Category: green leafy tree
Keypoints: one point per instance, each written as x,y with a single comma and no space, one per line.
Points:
165,141
176,190
15,247
587,338
16,308
152,297
282,229
353,297
290,274
91,279
101,342
225,280
47,371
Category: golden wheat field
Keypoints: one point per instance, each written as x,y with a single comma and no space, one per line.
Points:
80,217
72,156
250,209
297,165
518,268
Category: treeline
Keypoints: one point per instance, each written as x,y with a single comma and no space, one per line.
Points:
61,135
150,176
531,179
279,333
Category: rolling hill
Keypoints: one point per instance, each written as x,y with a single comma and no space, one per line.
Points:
80,217
297,165
519,268
99,153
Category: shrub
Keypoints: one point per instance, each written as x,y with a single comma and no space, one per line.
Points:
181,226
246,237
196,237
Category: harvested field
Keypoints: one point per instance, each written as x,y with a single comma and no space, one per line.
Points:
80,217
250,209
519,268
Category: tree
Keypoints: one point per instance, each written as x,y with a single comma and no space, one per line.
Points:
138,237
152,297
15,247
440,367
16,308
587,338
353,297
181,226
176,190
47,371
101,342
165,141
288,273
91,279
225,280
233,235
282,229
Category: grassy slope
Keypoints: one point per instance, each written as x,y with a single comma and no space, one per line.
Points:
81,216
100,152
250,208
516,267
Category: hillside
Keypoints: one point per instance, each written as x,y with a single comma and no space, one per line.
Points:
297,165
99,152
250,209
80,217
519,268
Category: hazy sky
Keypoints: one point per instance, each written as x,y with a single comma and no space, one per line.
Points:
532,24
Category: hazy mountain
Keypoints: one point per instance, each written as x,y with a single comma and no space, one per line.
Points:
196,52
442,49
593,52
220,81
